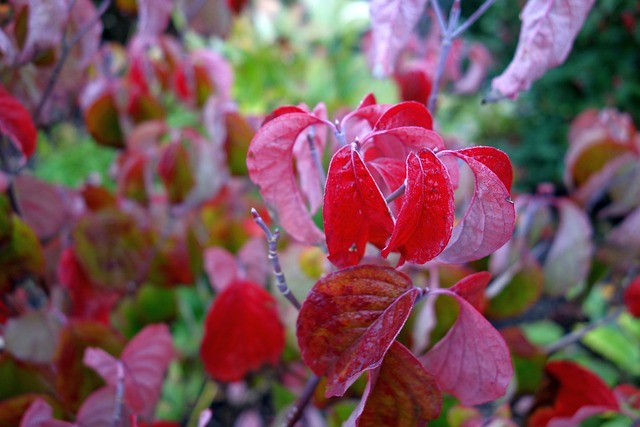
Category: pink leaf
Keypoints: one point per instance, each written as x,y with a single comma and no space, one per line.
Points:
100,408
44,206
40,414
399,393
472,361
549,28
153,16
269,161
46,20
425,221
253,263
16,124
221,267
144,359
391,25
350,319
489,219
354,210
569,259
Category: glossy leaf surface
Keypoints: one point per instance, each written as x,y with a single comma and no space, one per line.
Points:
425,221
354,210
400,393
350,319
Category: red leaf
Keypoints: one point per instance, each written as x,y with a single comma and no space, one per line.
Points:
16,124
242,332
425,221
391,25
472,287
399,142
579,394
389,174
488,222
472,361
414,81
144,361
632,297
176,170
354,211
269,161
407,113
549,28
569,259
399,393
350,319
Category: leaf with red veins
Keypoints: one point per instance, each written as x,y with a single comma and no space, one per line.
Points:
350,319
242,332
425,221
472,361
495,160
354,211
269,161
311,179
472,287
391,25
144,361
399,142
549,28
100,407
489,220
16,124
409,113
399,393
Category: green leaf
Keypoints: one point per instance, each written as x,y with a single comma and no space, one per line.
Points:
612,344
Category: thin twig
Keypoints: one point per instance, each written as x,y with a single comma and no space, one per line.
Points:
272,239
66,50
579,333
399,192
117,410
473,18
296,411
439,15
315,154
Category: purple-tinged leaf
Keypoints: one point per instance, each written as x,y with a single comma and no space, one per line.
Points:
350,319
269,161
221,267
399,393
549,28
488,222
472,361
45,23
44,206
354,211
101,407
40,414
472,287
425,221
153,16
144,361
391,25
569,259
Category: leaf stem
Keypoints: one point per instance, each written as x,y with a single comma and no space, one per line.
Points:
397,193
315,154
272,239
296,411
579,333
450,31
473,18
67,46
